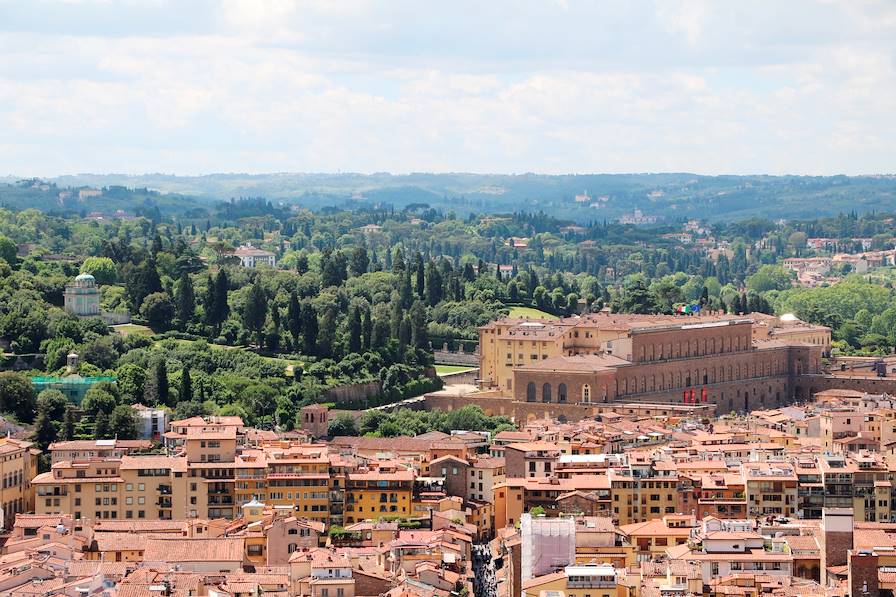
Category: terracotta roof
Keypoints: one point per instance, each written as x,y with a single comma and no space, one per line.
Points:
580,363
180,549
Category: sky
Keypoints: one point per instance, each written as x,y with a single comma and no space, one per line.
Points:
560,86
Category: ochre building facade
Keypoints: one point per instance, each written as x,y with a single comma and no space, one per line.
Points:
732,362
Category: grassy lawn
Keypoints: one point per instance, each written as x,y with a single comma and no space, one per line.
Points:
445,369
530,313
132,328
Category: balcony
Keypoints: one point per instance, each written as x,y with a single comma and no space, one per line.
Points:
224,500
164,502
165,489
251,477
591,584
55,492
218,490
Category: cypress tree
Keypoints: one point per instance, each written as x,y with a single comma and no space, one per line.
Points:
185,299
355,342
155,391
367,328
310,327
221,308
67,433
256,311
294,318
101,425
419,337
421,277
185,392
208,301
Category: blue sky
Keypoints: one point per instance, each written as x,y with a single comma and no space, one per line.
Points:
557,86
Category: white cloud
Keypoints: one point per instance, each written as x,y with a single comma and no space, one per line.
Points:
322,86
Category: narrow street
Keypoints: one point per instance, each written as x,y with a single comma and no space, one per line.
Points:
485,583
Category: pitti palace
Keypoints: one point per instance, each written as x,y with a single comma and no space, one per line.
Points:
731,362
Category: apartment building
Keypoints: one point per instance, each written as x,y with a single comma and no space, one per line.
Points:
85,449
531,459
771,488
376,494
299,476
485,473
18,465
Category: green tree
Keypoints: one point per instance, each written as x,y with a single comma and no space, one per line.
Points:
101,428
420,284
67,432
636,298
769,277
57,352
381,332
185,391
158,310
131,381
255,312
101,268
97,400
217,307
16,396
310,329
419,337
155,390
45,431
359,261
343,424
143,281
185,299
367,329
434,285
371,421
123,422
798,241
8,250
53,402
355,340
327,336
294,319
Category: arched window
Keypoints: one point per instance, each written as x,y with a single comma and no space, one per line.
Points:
561,393
530,392
546,392
586,393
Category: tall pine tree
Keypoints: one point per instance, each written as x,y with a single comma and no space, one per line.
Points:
309,328
185,391
185,299
255,312
367,329
294,319
155,390
355,341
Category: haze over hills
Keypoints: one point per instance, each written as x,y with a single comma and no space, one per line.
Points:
580,197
